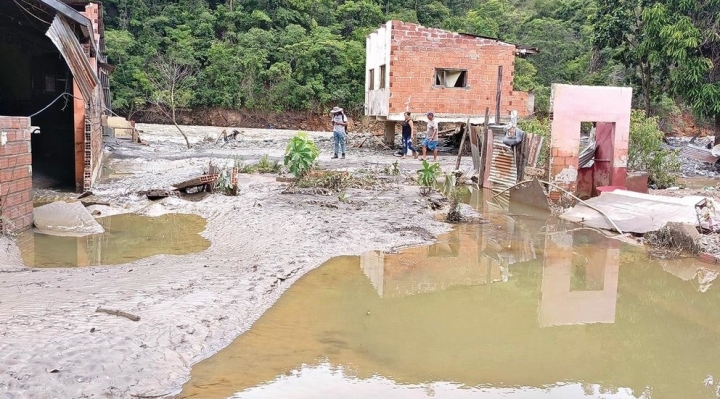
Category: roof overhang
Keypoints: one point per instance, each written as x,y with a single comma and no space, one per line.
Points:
74,16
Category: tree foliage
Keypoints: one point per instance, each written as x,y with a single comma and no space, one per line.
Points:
306,55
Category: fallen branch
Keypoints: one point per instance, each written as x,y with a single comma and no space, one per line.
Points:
120,313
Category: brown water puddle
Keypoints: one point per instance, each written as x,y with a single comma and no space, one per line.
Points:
127,238
512,309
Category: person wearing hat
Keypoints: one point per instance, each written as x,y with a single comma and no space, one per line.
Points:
339,122
431,138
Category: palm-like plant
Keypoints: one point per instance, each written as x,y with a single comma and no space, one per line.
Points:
300,154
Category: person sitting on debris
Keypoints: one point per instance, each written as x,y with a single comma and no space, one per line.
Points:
408,134
339,121
431,138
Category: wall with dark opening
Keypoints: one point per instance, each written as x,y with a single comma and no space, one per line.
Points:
32,75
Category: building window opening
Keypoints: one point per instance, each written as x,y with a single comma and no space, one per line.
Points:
371,79
382,77
450,78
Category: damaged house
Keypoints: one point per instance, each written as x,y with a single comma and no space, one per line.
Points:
54,91
457,76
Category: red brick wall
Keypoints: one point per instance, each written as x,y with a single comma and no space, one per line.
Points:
16,199
415,53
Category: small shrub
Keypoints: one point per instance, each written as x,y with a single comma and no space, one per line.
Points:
300,155
451,191
427,176
264,165
539,127
243,167
645,152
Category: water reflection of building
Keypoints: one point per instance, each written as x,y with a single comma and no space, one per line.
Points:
580,282
469,255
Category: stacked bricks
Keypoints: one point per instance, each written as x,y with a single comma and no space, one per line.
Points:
92,114
417,51
16,199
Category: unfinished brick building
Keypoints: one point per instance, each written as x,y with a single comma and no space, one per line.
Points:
417,69
54,88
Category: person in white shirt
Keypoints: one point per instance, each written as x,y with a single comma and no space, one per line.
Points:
339,121
431,138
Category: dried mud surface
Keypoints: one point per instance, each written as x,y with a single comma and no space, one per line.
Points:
53,344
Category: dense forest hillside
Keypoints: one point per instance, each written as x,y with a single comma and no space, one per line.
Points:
282,55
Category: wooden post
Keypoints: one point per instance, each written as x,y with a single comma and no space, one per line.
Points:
462,144
485,158
499,95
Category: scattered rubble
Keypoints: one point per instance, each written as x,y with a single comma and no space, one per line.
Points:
674,238
696,158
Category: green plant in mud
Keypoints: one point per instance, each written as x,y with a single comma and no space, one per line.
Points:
645,152
265,165
451,190
539,127
243,167
392,169
300,155
427,176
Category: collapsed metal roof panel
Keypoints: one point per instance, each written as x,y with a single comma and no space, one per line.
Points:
62,35
74,16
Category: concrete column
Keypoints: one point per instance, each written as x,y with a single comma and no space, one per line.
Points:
390,134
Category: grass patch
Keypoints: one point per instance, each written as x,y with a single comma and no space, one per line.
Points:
264,165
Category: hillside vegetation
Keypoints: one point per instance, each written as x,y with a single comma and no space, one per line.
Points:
305,55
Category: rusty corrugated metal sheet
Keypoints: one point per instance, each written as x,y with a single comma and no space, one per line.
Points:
698,153
586,156
67,43
503,170
534,146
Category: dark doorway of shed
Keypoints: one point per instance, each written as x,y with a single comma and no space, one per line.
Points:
33,74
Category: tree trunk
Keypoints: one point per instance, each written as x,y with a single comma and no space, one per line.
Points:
717,129
187,142
646,87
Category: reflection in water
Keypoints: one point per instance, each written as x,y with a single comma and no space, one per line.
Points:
579,282
521,310
127,237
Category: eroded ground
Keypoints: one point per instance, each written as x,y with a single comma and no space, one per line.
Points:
53,343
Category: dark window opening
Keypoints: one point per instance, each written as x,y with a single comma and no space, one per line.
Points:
371,79
382,77
451,78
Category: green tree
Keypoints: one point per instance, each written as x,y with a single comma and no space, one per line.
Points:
688,36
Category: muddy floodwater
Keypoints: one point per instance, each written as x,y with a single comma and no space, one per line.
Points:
127,237
515,309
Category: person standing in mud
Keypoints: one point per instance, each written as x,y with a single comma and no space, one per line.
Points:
408,134
339,122
431,138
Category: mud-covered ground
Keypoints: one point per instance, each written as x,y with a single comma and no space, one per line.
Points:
54,345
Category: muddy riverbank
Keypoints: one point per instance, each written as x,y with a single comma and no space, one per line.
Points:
54,344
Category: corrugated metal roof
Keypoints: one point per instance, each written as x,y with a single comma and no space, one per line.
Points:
698,153
587,156
73,15
61,34
503,170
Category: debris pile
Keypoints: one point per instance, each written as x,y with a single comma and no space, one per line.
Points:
696,156
670,225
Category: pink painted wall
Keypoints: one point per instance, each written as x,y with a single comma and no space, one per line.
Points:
571,105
